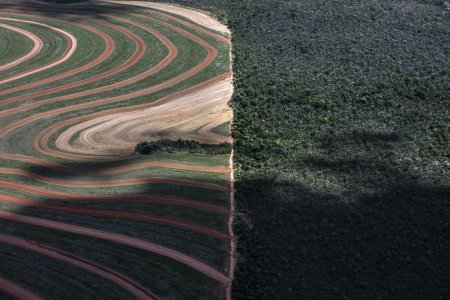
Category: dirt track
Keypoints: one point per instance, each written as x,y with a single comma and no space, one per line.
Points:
114,198
17,291
128,284
120,182
116,214
119,238
93,144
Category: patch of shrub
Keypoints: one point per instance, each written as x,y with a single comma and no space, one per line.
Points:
191,146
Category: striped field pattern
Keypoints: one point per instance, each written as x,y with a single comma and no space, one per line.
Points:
81,215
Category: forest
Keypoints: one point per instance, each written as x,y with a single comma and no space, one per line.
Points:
341,147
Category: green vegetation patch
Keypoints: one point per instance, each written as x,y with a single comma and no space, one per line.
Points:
69,279
191,146
8,47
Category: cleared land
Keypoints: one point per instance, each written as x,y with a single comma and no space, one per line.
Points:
76,202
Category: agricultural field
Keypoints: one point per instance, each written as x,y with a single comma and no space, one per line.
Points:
82,214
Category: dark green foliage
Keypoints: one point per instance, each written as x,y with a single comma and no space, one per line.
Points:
342,138
182,145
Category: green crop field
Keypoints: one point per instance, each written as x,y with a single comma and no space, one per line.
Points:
109,225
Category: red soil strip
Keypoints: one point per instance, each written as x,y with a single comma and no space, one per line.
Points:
111,236
72,44
212,53
17,291
140,51
128,284
119,169
111,183
171,165
40,142
117,214
33,52
115,170
192,26
109,49
114,198
122,239
155,11
142,165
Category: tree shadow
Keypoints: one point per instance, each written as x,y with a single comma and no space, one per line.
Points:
162,201
90,9
386,240
74,169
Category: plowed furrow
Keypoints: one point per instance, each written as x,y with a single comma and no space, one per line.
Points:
37,47
117,214
128,284
91,91
17,290
72,45
119,238
114,198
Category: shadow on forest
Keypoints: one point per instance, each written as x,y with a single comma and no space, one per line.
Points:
85,8
390,241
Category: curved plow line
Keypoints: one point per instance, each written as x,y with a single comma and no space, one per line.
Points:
121,169
139,53
40,141
110,183
187,24
173,52
121,239
34,51
17,291
115,198
128,284
192,116
66,55
153,10
116,169
192,26
159,246
109,49
58,167
212,53
117,214
207,169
